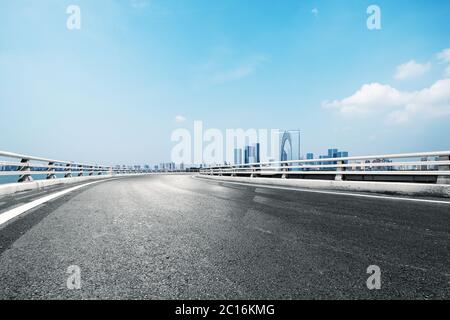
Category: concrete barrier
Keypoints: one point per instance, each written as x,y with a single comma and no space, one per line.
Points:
11,188
398,188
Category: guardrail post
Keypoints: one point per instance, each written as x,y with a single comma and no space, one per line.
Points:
26,176
91,170
443,179
284,175
52,169
339,176
68,170
80,170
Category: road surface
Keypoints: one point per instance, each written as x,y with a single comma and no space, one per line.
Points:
176,237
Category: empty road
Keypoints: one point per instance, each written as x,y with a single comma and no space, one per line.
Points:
176,237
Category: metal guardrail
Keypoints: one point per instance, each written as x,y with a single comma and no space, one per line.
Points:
32,165
422,164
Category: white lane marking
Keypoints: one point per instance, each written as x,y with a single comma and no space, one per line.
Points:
328,192
8,215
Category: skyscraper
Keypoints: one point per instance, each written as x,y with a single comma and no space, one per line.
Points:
249,154
332,153
290,145
246,156
257,152
238,156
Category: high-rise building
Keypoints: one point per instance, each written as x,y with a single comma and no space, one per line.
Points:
249,154
332,153
238,156
246,157
290,145
256,150
309,156
340,154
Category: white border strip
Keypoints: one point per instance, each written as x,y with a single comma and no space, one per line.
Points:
325,192
11,214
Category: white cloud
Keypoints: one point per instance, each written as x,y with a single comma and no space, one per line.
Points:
444,55
315,12
411,69
180,119
447,71
395,105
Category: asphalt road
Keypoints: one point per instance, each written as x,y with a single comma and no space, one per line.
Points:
176,237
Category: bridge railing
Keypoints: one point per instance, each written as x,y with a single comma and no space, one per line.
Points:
25,167
420,167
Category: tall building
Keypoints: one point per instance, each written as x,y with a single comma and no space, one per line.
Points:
290,145
342,154
238,156
333,153
309,156
257,152
249,154
246,157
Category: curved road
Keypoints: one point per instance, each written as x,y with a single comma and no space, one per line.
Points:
158,237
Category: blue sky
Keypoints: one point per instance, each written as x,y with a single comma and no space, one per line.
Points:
111,92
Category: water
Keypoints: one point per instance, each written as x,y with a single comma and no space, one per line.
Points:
8,179
13,179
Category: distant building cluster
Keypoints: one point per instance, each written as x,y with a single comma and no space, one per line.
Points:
289,149
289,142
15,168
332,154
168,166
251,154
8,168
171,166
162,167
